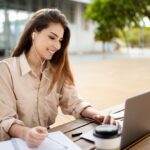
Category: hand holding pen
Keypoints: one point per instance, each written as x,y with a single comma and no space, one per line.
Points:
35,136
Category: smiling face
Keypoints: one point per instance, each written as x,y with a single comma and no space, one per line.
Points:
48,41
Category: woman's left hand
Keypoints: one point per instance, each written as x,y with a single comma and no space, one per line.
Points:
105,119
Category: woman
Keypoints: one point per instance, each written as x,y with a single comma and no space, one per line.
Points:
37,79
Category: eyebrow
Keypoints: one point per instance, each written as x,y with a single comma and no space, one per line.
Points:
56,35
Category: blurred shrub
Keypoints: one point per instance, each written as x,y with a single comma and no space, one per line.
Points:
137,37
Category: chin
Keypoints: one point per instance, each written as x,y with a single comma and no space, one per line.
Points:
48,58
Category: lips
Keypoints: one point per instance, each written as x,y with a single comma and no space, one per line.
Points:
51,51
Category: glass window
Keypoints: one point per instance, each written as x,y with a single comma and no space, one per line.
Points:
2,21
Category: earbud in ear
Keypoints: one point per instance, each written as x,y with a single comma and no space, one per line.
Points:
33,36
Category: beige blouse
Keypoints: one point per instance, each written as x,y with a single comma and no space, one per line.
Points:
24,99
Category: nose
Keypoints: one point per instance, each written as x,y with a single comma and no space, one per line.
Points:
57,45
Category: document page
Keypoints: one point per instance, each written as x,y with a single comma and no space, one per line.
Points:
118,115
88,136
46,145
6,145
54,141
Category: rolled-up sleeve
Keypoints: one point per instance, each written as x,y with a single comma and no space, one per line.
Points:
8,111
70,102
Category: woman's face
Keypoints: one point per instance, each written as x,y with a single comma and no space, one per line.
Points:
48,41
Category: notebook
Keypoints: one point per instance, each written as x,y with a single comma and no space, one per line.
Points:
54,141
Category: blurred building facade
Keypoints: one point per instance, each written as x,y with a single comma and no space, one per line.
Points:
15,13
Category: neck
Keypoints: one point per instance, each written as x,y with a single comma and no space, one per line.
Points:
35,61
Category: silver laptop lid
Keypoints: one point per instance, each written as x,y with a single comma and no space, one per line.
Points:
136,119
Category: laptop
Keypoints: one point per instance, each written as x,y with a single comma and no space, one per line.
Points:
136,122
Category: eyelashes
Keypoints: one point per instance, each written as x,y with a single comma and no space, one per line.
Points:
53,38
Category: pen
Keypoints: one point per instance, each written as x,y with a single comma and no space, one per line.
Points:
76,134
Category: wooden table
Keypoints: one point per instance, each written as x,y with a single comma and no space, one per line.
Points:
83,125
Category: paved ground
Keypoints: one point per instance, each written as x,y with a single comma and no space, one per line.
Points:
106,82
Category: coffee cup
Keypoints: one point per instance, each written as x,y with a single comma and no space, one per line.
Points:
107,137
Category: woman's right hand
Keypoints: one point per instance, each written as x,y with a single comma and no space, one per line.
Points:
35,136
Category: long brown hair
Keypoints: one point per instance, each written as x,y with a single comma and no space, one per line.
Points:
39,21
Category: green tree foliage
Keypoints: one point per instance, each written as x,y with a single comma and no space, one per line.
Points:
112,16
138,37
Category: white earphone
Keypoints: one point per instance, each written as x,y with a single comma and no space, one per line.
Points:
33,36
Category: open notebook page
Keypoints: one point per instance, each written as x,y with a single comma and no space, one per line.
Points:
55,140
6,145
